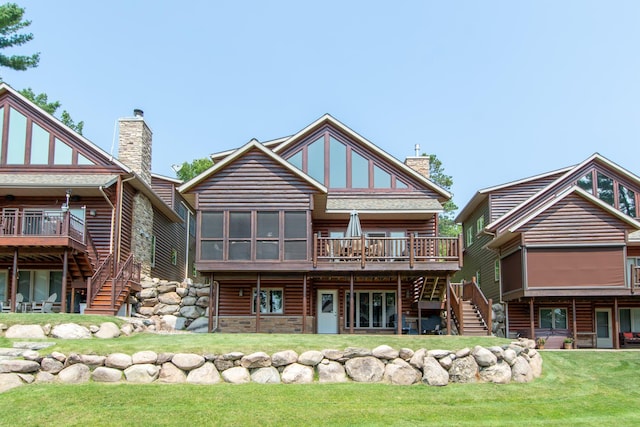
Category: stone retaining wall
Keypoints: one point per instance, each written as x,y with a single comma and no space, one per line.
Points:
517,362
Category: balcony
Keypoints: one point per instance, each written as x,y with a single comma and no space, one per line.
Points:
41,227
412,250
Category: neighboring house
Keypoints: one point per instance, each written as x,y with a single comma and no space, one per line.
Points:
272,222
75,221
561,250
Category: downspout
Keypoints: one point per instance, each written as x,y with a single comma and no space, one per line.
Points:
186,261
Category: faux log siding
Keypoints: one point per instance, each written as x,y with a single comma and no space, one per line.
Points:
254,182
519,320
505,199
169,235
231,304
574,220
477,258
164,189
633,251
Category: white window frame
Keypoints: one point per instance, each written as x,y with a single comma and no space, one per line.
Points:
553,317
480,224
385,315
266,302
496,270
469,239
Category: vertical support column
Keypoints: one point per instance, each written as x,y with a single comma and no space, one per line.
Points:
304,303
210,315
575,322
65,270
448,305
352,302
258,304
532,325
616,324
399,318
14,280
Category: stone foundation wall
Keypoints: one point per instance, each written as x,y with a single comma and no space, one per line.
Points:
517,362
268,324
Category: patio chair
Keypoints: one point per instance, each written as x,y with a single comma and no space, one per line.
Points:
46,306
19,299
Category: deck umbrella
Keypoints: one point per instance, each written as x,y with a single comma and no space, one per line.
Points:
354,229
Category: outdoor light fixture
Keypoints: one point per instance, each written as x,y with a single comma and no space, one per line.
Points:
240,292
65,205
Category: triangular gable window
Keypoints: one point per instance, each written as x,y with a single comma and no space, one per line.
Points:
37,147
604,187
332,161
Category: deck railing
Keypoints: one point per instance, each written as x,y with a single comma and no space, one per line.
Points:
129,272
42,223
100,277
365,249
635,278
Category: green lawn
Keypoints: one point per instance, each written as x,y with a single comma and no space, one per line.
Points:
577,388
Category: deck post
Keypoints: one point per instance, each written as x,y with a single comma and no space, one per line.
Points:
448,290
304,303
532,320
65,269
575,322
351,304
258,304
14,281
399,316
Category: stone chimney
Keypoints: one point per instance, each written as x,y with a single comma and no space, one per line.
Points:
134,144
418,163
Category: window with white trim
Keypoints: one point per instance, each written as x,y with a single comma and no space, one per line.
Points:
553,318
271,300
480,224
496,270
469,239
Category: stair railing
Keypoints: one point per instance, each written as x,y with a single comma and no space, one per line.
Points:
456,312
471,292
129,271
98,279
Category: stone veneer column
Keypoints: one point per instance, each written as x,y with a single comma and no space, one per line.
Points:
419,164
142,231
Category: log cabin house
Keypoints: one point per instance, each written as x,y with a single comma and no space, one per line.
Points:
272,222
78,223
561,251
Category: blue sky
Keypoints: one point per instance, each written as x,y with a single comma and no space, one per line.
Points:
498,90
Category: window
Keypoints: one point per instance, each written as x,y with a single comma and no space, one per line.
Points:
469,236
254,235
373,309
496,270
605,189
17,139
626,201
338,162
586,183
315,160
174,256
37,285
39,145
553,318
3,286
270,300
478,277
632,263
480,224
629,319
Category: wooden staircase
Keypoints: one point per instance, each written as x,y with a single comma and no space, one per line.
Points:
107,293
473,322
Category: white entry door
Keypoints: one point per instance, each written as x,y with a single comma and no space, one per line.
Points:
327,312
604,336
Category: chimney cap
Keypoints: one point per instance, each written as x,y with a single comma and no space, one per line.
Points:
138,113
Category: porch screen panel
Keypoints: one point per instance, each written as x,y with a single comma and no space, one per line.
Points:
575,267
511,271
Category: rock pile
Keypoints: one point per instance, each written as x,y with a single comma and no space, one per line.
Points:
517,362
63,331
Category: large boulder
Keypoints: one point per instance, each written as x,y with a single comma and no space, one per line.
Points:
108,330
330,371
205,374
268,375
535,361
187,361
170,373
118,361
236,375
191,312
9,381
297,373
51,365
366,369
464,370
201,325
499,373
75,374
103,374
417,360
70,331
170,298
310,358
385,352
521,371
433,373
144,357
143,373
400,372
332,354
92,359
484,357
18,366
258,359
283,358
25,332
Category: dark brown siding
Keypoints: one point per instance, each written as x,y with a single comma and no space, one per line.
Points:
164,189
574,220
254,182
232,304
126,222
169,236
511,272
575,267
505,199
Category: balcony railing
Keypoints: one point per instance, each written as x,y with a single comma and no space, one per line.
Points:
42,223
365,250
635,279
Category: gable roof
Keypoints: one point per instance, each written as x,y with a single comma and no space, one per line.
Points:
513,229
251,145
269,144
530,202
327,119
481,195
